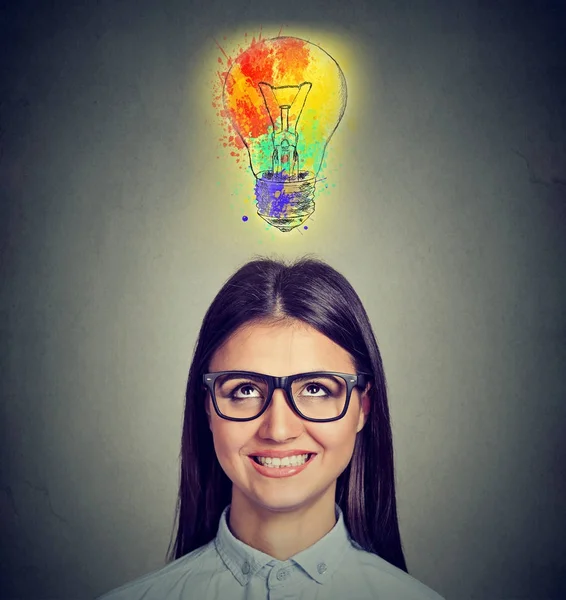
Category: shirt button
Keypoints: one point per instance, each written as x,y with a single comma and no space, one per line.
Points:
246,568
321,568
282,575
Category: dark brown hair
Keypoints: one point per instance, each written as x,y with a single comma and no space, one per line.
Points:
315,293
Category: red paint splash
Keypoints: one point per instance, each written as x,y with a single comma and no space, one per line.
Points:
257,66
263,62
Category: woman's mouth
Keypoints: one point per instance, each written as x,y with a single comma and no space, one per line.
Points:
288,461
281,467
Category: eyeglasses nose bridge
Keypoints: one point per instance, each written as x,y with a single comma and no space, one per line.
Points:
280,383
286,397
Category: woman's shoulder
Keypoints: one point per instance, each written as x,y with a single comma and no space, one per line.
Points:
171,581
376,573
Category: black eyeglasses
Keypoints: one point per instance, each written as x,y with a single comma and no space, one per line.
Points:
318,396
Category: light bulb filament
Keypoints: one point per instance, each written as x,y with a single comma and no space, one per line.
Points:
290,101
285,117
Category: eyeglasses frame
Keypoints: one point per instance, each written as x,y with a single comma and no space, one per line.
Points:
359,380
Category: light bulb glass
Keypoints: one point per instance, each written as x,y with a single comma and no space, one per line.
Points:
285,97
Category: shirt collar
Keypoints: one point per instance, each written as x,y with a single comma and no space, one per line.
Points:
319,561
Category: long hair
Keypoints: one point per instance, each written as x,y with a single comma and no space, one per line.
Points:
315,293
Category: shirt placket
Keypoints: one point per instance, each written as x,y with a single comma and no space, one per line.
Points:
282,583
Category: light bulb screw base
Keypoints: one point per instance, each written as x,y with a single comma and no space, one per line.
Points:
285,203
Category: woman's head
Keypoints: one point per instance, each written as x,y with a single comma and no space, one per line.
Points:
281,319
280,348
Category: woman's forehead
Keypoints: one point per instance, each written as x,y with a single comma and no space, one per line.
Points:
280,347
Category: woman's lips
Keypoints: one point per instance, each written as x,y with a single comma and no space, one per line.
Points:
277,472
280,453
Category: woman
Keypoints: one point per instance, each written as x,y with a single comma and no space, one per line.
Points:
287,480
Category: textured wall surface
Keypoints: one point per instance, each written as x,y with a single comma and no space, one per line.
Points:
117,229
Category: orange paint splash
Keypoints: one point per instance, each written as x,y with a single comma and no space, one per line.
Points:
257,67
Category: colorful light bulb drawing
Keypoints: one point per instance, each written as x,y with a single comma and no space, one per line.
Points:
285,97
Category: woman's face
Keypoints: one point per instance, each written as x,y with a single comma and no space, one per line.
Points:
284,349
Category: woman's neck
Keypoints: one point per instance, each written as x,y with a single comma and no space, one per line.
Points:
281,534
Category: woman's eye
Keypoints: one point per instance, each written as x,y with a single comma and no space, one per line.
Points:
245,390
315,389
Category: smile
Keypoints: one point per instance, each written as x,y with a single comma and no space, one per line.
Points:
281,467
288,461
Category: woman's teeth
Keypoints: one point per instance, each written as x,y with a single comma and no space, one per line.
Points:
288,461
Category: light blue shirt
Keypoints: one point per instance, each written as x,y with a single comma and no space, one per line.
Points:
334,568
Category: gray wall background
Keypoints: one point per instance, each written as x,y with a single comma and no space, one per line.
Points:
449,221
